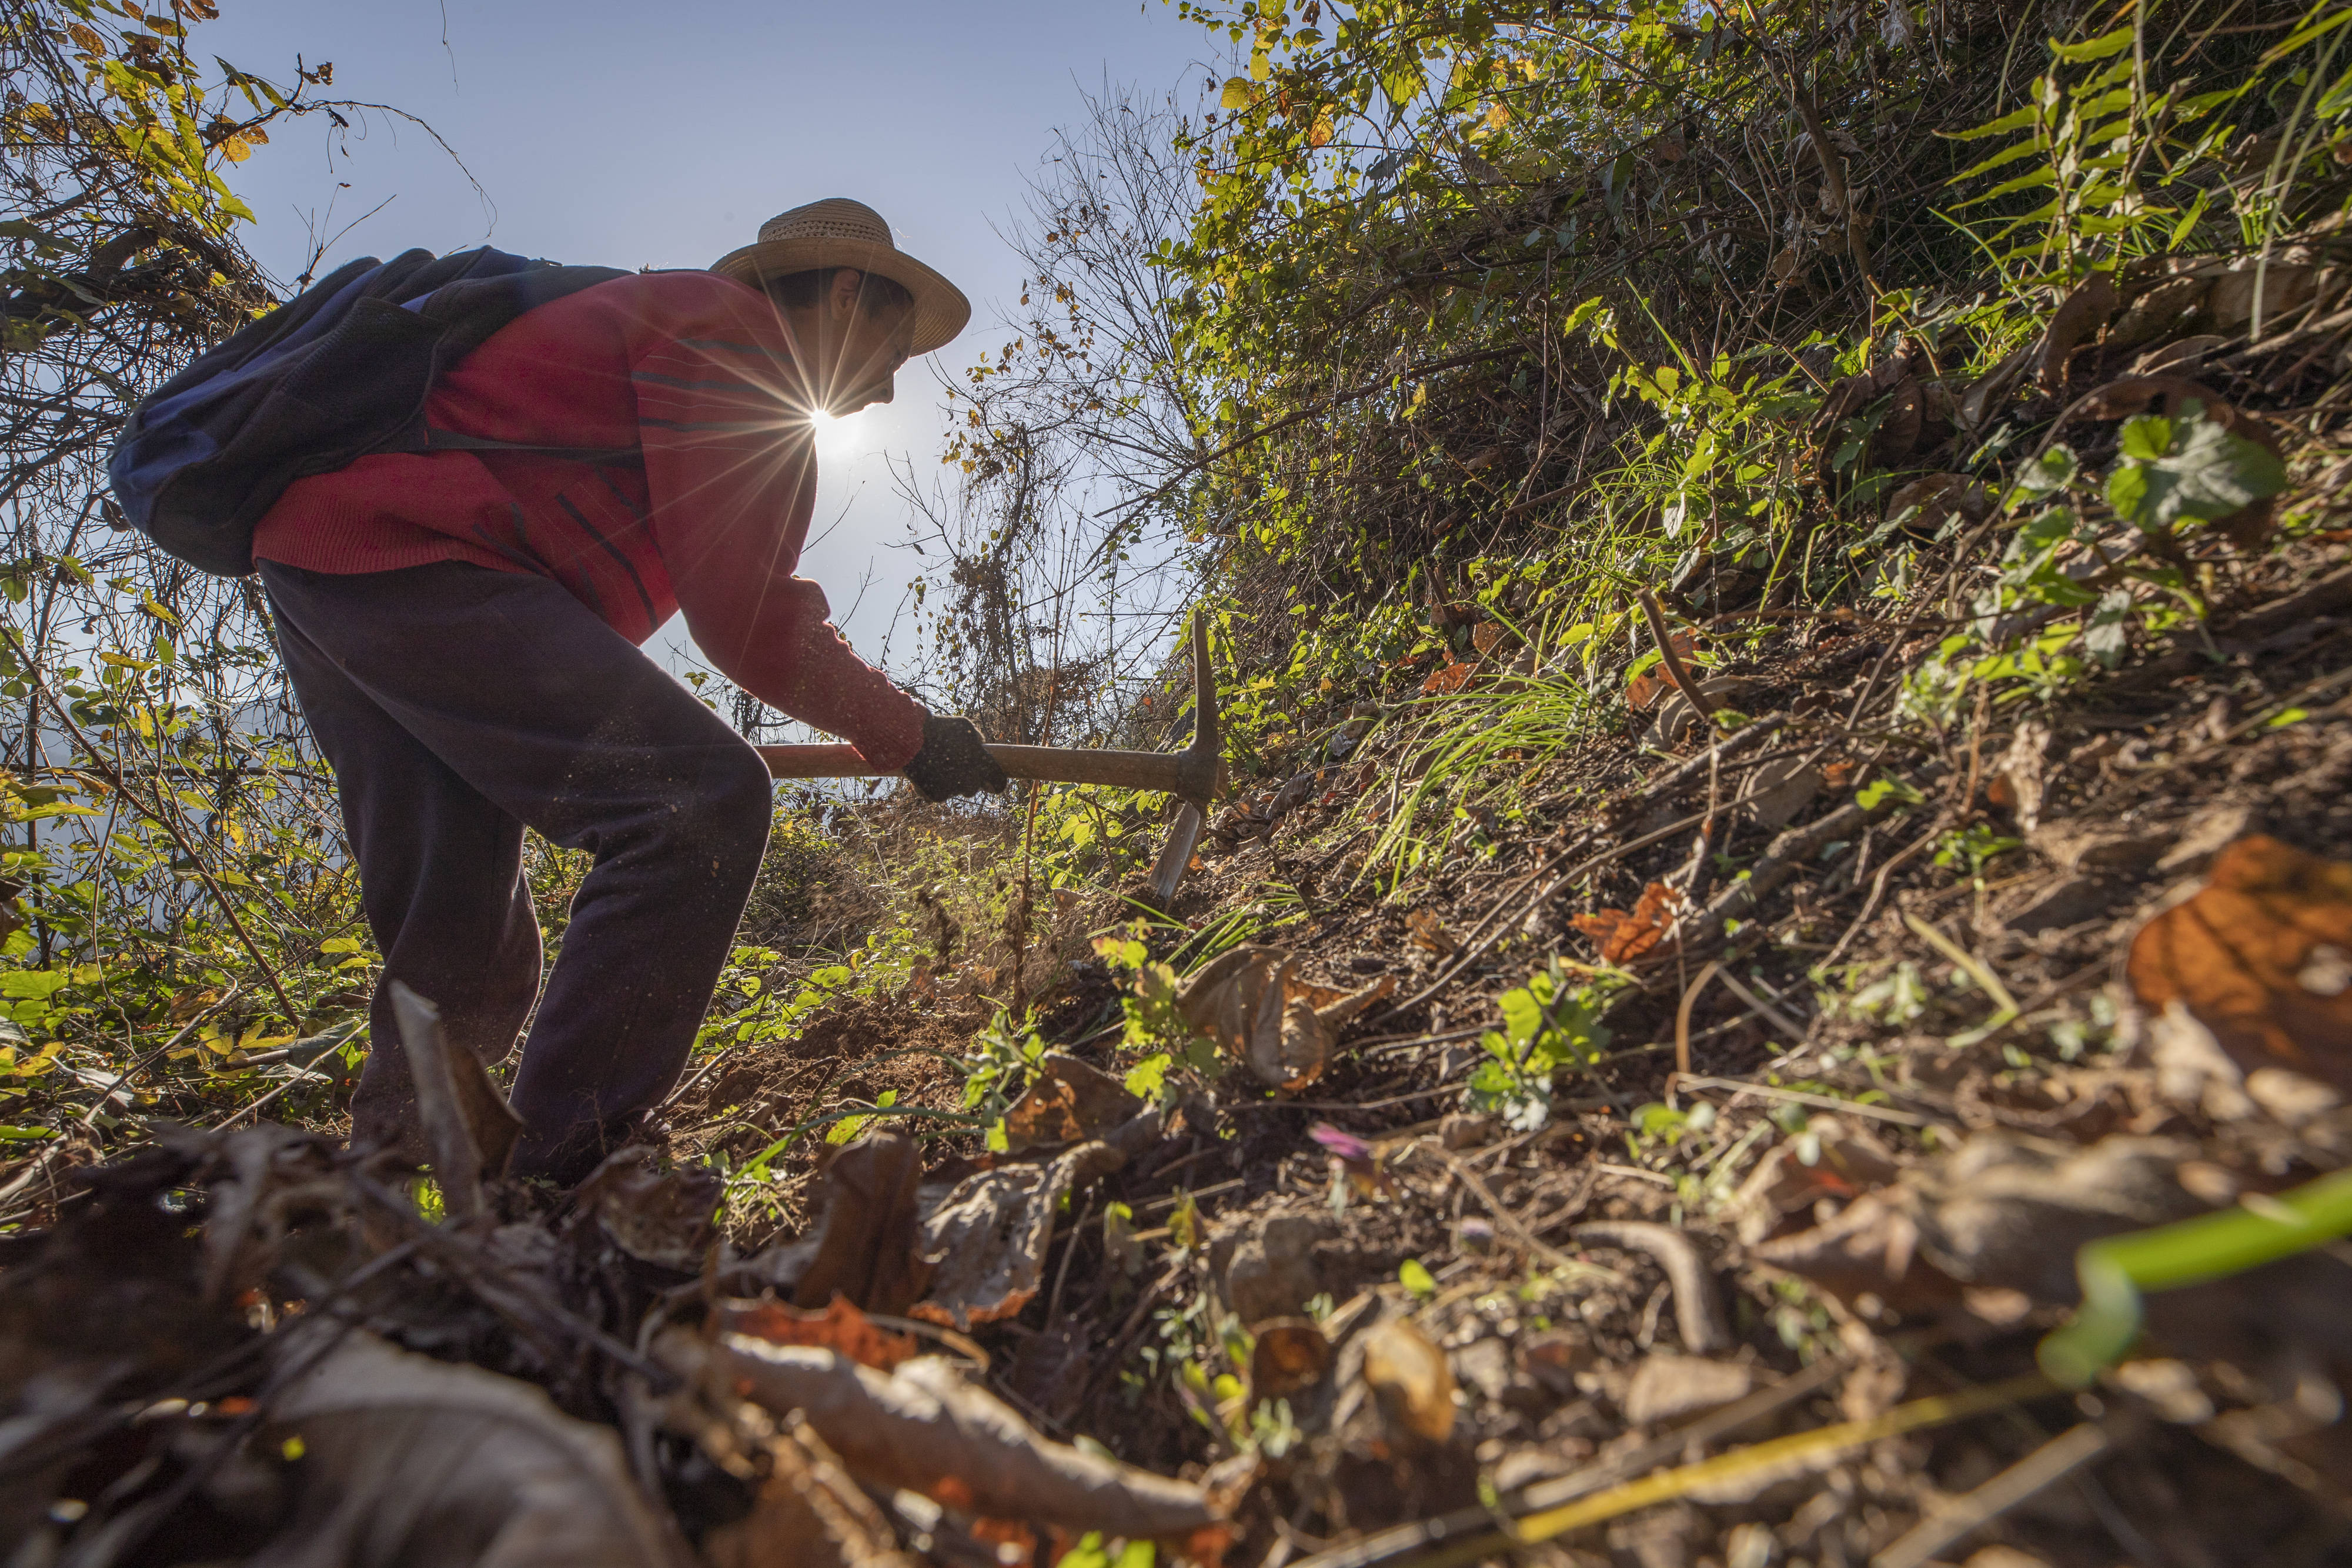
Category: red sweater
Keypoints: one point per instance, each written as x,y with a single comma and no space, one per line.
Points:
696,371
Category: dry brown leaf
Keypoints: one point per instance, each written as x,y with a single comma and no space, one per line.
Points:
1069,1101
2158,311
1251,1002
1625,935
2079,318
2262,958
1999,1214
1488,635
2229,307
869,1247
1986,394
841,1326
984,1244
1429,933
1410,1382
1290,1355
923,1428
406,1459
1941,497
2129,395
664,1217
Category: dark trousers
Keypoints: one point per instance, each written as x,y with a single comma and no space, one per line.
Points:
458,705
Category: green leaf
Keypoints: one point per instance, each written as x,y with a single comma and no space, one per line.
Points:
2098,48
1417,1278
1878,791
2202,473
2016,120
2146,438
1237,94
38,985
1149,1077
2052,472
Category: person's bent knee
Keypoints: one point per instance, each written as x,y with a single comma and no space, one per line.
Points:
732,812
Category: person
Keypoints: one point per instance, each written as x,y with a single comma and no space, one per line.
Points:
461,627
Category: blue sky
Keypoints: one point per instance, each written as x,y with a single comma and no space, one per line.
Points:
663,134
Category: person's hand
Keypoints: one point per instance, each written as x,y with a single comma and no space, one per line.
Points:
954,760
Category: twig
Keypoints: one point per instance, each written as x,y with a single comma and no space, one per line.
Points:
301,1075
1698,1306
1878,888
1503,1217
679,1093
1801,1097
1970,965
1400,1540
1682,1024
1788,1026
2054,1460
1673,664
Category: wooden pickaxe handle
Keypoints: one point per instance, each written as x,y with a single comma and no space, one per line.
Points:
1054,764
1191,773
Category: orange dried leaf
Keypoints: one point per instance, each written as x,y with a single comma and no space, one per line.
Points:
1654,683
1429,932
839,1327
2262,956
1624,935
1447,679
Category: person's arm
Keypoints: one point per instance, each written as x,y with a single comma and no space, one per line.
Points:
731,477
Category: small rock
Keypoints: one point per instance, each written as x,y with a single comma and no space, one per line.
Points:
2005,1557
2067,901
2290,1097
1663,1538
1780,790
2075,845
1272,1271
1750,1546
1666,1386
1463,1131
1484,1365
1524,1464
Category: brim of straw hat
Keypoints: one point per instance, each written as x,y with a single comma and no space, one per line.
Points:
940,309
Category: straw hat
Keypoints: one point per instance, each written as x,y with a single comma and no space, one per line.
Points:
838,232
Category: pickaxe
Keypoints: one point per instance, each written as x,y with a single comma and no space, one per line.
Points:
1191,775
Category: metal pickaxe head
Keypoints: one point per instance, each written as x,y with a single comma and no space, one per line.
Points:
1192,775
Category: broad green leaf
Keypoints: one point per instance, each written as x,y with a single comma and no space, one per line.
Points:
2098,48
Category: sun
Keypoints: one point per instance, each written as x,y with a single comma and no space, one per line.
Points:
835,433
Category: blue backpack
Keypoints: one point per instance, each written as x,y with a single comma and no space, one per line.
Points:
338,372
